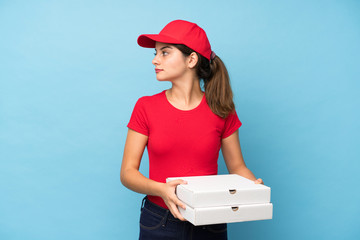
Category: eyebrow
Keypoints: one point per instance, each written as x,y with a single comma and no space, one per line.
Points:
164,48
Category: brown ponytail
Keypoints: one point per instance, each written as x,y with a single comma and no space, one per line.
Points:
216,79
218,90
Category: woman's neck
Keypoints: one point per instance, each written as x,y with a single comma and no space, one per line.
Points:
185,95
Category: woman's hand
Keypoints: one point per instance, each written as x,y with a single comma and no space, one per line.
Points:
170,198
259,181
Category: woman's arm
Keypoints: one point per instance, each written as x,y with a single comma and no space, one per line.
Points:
231,150
131,177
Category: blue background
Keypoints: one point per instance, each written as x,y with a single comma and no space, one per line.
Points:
71,72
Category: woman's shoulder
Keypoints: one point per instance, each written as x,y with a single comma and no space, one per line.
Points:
151,99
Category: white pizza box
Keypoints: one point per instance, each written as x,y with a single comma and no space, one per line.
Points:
220,190
227,214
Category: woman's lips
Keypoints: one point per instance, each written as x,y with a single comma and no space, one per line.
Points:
158,70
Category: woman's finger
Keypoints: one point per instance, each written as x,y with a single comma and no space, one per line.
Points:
177,182
178,214
180,204
175,212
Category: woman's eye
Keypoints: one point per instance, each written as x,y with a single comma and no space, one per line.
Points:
163,53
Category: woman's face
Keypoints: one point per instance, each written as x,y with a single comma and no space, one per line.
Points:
170,63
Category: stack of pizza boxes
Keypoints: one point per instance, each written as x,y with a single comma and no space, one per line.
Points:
223,199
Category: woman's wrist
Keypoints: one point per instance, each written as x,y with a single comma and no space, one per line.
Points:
157,189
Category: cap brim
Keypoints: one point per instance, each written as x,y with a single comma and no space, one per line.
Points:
149,40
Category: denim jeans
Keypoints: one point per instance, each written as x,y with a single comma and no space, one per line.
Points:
157,223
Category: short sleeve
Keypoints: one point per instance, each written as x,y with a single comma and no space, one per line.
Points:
138,120
232,123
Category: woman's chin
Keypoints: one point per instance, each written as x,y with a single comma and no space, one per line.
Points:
162,79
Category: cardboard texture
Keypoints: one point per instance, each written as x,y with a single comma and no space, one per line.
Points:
216,190
223,199
227,214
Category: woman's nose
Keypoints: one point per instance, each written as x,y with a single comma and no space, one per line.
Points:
155,61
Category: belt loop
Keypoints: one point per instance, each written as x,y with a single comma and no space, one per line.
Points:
143,203
166,217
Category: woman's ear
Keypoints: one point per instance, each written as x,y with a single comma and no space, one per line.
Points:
192,60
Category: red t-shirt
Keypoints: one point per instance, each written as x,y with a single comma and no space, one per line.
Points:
181,142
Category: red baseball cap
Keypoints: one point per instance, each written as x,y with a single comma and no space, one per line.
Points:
179,32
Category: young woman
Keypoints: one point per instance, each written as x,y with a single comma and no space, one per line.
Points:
183,129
